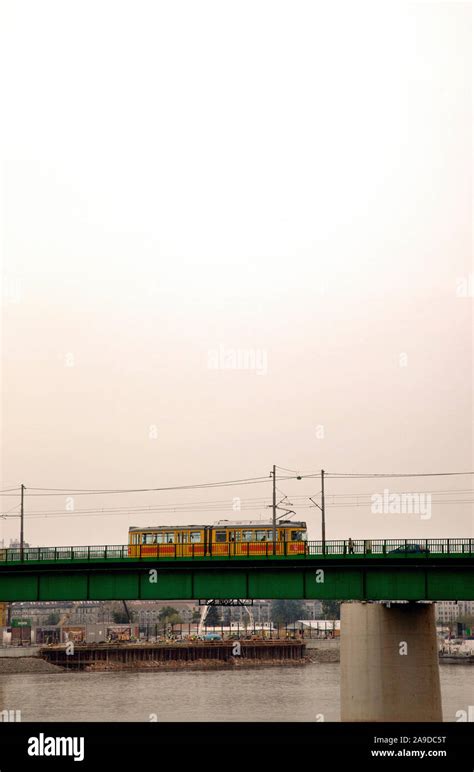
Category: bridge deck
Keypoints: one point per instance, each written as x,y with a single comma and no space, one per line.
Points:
374,571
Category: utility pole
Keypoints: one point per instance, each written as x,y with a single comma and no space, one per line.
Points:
322,509
22,521
274,509
323,514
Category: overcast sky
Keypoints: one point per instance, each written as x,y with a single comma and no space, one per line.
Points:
235,234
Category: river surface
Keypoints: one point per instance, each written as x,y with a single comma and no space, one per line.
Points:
309,693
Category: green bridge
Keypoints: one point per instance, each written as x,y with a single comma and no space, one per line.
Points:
434,569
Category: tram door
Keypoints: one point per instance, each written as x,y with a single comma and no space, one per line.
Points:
280,547
207,539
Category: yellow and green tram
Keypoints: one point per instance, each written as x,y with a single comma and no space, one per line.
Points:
223,538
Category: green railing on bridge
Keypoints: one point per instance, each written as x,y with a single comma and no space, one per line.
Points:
355,548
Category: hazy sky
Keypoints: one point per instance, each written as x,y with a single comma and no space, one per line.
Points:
281,186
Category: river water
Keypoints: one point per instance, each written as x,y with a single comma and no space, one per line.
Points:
309,693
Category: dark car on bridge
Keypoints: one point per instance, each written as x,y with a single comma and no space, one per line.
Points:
410,549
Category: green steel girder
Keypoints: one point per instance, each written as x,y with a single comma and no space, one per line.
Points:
449,578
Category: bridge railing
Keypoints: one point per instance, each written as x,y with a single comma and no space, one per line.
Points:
382,547
94,552
349,547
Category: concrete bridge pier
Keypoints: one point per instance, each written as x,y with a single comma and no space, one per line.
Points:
389,662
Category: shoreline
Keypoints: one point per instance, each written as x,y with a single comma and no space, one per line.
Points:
36,665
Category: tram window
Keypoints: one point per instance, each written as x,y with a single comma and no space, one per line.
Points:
134,538
160,538
247,535
184,538
261,536
169,537
195,537
237,536
221,536
297,536
149,538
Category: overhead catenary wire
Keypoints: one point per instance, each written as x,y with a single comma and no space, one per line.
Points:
192,510
361,476
42,491
111,491
367,475
6,514
341,500
264,499
255,502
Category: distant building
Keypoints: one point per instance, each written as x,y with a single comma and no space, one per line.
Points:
316,628
314,609
15,544
450,610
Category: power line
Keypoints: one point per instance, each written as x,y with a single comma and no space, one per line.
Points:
368,503
362,475
370,493
140,510
421,474
247,503
100,491
5,514
190,510
298,472
40,491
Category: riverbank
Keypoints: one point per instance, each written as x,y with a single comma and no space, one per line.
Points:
322,653
16,665
183,657
33,665
175,655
